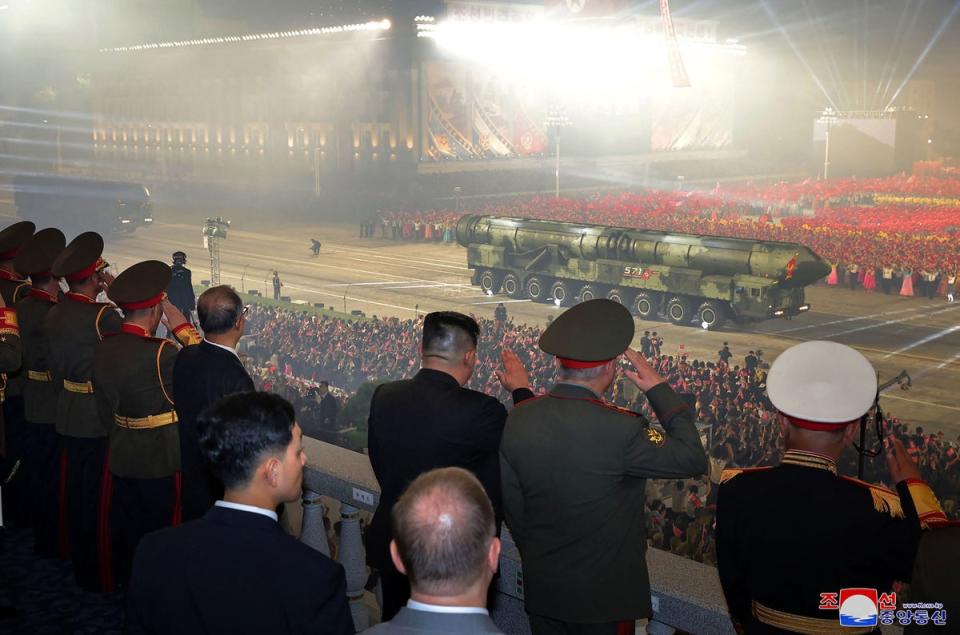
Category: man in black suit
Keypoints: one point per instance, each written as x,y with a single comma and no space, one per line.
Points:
235,570
446,543
432,421
328,406
181,286
202,375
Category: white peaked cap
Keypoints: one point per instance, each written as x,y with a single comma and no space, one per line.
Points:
823,382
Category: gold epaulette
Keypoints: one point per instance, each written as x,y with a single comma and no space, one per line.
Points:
730,472
928,506
885,501
8,322
187,335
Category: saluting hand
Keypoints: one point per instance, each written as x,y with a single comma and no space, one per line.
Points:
173,317
645,377
513,375
900,464
105,279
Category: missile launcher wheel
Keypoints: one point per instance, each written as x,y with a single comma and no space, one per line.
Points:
561,293
512,287
618,295
678,310
588,292
646,305
711,315
536,289
489,281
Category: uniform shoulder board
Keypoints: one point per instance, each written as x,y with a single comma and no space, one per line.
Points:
529,401
885,501
622,411
730,472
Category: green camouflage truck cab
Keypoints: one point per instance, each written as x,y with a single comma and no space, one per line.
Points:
684,277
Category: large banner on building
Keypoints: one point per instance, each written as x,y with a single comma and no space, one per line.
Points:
473,114
478,106
584,8
699,116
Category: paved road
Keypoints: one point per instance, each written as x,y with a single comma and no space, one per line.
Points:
400,279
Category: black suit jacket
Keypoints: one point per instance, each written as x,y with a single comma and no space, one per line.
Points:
201,375
234,572
427,422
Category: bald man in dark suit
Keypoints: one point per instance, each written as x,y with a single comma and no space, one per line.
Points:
202,375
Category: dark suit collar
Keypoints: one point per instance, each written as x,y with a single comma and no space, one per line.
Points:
429,374
240,519
221,352
210,346
561,389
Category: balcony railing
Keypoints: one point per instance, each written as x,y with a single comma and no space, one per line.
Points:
686,594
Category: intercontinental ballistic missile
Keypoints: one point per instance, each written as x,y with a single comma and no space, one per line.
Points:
684,277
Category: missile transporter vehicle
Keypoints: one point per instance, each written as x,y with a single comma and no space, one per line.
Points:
684,277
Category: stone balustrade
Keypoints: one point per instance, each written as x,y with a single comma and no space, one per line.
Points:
686,594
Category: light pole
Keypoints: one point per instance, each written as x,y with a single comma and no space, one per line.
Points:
828,117
557,120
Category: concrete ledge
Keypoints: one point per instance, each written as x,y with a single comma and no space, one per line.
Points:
686,594
339,473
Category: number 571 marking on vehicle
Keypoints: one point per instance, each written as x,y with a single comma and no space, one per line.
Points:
639,272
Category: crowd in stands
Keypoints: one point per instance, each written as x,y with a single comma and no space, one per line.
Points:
293,351
895,234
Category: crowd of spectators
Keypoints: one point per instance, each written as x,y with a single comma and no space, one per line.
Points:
291,352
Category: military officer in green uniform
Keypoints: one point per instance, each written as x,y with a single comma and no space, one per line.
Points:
786,535
40,393
574,470
13,285
133,383
16,504
10,355
74,328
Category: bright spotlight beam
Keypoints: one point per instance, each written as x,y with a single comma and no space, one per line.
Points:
926,51
796,51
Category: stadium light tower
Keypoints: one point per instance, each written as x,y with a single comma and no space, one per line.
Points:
214,230
557,120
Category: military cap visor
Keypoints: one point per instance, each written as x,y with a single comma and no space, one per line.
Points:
81,258
141,286
822,385
589,334
13,237
38,253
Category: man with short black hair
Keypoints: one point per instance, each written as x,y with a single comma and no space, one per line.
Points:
236,570
202,375
432,421
445,542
